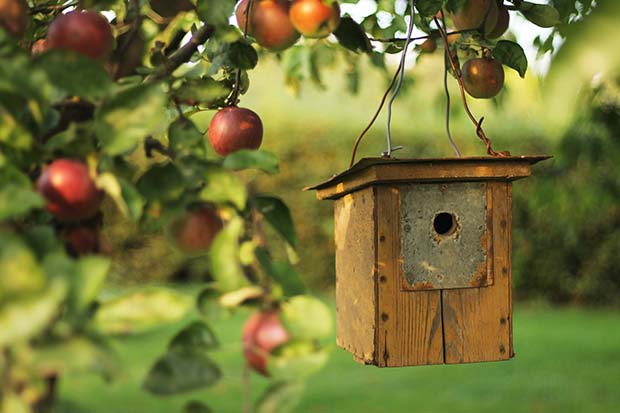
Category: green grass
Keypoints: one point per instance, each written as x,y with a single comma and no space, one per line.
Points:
568,360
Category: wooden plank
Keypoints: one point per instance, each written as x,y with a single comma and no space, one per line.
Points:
355,270
478,321
436,171
409,329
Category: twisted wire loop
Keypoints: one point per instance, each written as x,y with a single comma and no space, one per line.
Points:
401,76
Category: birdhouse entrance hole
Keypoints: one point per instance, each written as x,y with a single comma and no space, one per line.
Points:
444,224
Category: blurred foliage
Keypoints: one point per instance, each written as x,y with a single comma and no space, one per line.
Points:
566,238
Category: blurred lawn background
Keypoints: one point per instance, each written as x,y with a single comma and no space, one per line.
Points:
566,238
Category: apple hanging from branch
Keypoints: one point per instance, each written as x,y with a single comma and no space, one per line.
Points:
70,191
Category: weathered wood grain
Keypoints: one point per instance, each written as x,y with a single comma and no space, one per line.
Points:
409,323
355,270
478,321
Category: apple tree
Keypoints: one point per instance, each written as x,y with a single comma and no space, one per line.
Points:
96,107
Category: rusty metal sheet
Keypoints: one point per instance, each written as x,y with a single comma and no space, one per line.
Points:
445,235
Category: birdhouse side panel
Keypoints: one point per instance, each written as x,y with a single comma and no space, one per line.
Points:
355,273
478,321
409,329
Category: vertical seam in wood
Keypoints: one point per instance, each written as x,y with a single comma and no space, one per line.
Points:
443,331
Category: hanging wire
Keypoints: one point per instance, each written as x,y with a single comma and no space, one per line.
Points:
403,58
447,90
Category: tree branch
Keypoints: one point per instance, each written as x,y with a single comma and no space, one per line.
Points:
183,54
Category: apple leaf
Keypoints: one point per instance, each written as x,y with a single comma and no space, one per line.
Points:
184,137
428,8
181,371
512,55
206,91
258,159
352,36
306,317
196,336
20,273
126,119
76,75
225,265
295,360
161,182
142,310
87,282
542,15
281,397
195,406
281,272
224,186
278,215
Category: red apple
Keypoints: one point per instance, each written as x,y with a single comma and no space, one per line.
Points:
315,18
263,332
195,230
269,23
234,128
70,191
84,32
81,240
483,77
14,17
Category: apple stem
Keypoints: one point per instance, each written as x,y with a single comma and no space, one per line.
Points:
233,100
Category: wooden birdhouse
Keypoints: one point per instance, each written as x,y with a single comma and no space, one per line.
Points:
423,258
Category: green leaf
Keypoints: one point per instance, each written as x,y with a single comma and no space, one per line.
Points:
280,397
208,304
195,406
75,74
428,8
17,196
16,201
142,310
87,282
278,215
196,336
306,317
215,12
205,91
241,296
74,355
295,360
242,56
181,371
20,273
258,159
281,272
161,182
184,137
24,318
126,119
225,266
512,55
133,201
352,36
542,15
223,186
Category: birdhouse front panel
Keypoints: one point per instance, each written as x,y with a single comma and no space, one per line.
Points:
423,259
445,235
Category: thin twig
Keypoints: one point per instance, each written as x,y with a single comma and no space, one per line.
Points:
234,97
52,7
428,36
153,145
183,54
478,124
